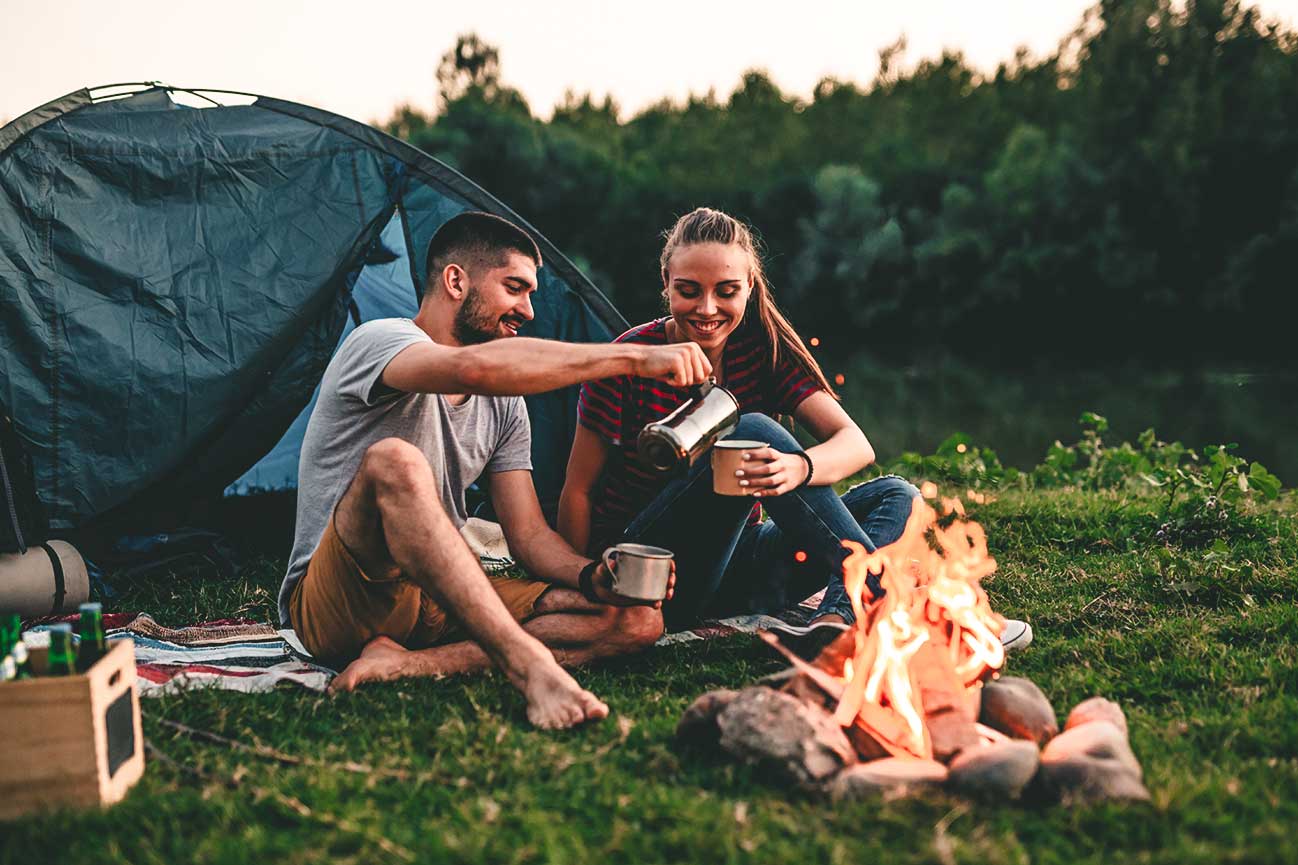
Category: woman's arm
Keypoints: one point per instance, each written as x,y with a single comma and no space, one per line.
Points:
843,451
585,465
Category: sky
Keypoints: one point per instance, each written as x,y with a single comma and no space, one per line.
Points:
362,59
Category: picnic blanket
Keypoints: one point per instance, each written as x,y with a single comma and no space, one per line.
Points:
254,657
230,654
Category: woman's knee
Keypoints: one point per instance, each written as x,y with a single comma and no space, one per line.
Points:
893,486
889,490
764,428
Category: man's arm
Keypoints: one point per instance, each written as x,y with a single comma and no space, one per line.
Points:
518,366
532,542
539,548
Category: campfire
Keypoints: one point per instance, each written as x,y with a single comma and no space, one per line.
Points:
912,695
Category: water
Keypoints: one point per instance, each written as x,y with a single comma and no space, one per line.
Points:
1019,414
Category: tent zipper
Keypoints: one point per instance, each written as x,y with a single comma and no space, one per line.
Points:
13,507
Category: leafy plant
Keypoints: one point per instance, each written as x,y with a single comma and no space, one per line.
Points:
957,462
1203,495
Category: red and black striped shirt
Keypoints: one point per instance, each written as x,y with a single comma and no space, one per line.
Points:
617,409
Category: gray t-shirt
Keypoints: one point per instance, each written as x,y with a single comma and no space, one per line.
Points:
355,410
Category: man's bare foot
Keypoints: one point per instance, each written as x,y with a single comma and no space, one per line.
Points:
554,699
381,660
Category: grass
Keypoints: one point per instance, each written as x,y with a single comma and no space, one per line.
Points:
1199,647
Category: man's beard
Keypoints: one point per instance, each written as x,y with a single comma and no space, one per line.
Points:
473,325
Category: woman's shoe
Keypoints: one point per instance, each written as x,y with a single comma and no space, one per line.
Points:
1017,635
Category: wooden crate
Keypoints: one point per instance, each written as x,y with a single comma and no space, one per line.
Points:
71,741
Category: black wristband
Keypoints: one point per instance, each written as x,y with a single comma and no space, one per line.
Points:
811,469
586,582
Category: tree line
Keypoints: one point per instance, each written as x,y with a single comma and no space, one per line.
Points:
1132,195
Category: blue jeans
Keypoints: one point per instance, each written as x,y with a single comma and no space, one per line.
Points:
726,567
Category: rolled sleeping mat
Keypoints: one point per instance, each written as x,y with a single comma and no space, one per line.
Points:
49,578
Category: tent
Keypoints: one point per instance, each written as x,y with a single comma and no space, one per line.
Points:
174,279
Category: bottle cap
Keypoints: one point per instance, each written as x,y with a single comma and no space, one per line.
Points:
91,607
61,626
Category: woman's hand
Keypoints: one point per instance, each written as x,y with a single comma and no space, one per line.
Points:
768,472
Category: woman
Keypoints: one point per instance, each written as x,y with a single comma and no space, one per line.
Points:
729,561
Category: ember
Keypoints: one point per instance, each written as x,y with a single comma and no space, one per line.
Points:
907,683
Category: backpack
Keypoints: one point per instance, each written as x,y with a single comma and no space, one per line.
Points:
22,518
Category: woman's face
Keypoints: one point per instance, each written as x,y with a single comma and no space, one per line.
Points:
708,285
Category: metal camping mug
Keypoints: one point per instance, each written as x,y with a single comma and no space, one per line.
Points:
677,440
727,458
639,571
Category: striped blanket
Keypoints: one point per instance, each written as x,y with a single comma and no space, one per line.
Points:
231,654
253,657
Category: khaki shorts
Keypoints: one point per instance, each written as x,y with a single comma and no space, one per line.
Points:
336,608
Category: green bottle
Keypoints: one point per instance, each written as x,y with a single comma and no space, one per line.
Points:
93,645
12,645
60,659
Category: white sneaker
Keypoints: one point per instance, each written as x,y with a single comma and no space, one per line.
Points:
1016,635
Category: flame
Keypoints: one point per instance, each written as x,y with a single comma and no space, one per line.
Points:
931,577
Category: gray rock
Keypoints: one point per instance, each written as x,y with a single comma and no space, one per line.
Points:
798,741
1091,762
896,776
698,723
1089,779
999,770
1017,708
1097,709
1096,739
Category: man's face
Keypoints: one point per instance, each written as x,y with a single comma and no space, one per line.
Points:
497,300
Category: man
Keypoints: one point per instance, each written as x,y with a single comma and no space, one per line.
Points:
411,412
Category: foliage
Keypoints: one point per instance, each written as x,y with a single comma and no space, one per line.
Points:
957,462
1200,497
1139,182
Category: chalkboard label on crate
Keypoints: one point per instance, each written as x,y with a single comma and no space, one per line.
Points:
119,723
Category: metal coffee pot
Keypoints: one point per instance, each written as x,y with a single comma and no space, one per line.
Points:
676,441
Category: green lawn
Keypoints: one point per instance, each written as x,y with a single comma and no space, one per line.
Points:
1199,647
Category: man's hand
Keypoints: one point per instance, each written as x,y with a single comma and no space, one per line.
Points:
681,364
602,582
767,472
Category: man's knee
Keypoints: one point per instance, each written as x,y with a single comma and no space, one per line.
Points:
760,427
395,464
633,628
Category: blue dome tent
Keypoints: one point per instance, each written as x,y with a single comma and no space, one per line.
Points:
174,279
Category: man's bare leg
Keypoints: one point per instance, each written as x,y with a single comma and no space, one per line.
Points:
576,630
391,520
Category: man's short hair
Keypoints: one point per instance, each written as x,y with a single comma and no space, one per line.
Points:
474,239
